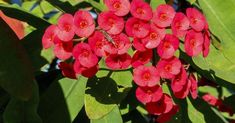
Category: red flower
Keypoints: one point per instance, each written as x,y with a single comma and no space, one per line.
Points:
49,36
163,15
63,50
163,118
85,56
137,28
193,43
197,20
149,94
194,87
141,58
164,105
211,100
97,42
168,68
87,72
115,61
206,44
65,26
67,70
84,23
179,81
184,91
110,22
153,39
138,44
146,76
141,10
168,46
119,7
121,43
180,25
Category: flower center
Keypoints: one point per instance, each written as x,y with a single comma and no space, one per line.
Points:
167,68
99,44
83,24
146,76
117,5
163,16
153,35
149,92
85,53
193,43
111,21
67,27
140,11
136,26
166,45
178,25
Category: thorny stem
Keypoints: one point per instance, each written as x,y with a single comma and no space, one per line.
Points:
154,57
79,39
105,69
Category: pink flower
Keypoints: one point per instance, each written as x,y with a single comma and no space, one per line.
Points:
206,44
121,43
163,15
138,44
97,42
83,53
115,61
196,18
194,87
141,58
193,43
180,25
137,28
84,23
146,76
163,118
153,39
63,50
149,94
49,36
141,10
179,80
119,7
65,27
111,23
87,72
168,68
164,105
168,46
67,70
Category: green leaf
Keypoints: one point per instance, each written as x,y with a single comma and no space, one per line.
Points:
99,6
27,5
15,69
18,111
18,13
221,18
102,95
63,100
113,117
155,3
65,7
191,1
33,46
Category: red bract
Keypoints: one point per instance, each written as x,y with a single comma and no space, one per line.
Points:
85,56
206,44
49,36
168,46
65,26
193,88
119,7
180,25
197,20
141,10
97,42
146,76
193,43
211,100
168,68
163,118
87,72
121,43
141,58
138,44
110,22
184,91
67,70
164,105
163,15
149,94
179,80
63,50
84,24
115,61
153,39
137,28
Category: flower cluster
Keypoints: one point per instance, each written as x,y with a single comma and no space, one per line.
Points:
80,42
